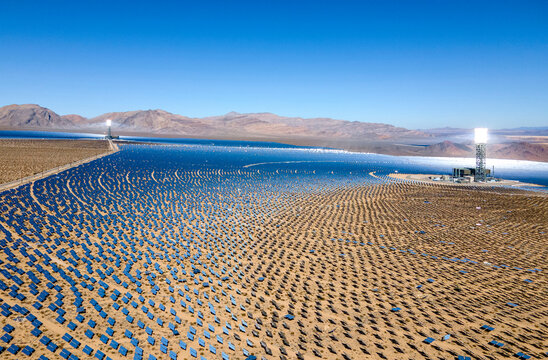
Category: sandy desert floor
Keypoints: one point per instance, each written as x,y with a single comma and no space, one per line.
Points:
21,158
127,262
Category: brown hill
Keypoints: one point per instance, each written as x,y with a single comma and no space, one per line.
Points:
75,119
512,150
448,148
275,125
154,121
519,150
31,116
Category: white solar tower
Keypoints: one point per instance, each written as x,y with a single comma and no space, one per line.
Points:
480,138
109,124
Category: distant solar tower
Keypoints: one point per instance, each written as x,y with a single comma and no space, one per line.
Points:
480,138
109,125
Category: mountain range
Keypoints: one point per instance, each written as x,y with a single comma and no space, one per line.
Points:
521,143
231,124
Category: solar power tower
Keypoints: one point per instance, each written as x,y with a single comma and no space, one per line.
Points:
109,125
480,138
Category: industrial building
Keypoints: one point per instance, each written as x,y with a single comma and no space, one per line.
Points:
465,172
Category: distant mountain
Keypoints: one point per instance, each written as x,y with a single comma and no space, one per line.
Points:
508,150
527,128
446,130
268,123
265,125
75,119
519,150
520,143
255,124
519,131
514,150
447,148
153,121
31,116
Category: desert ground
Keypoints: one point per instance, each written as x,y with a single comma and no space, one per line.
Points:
22,158
133,256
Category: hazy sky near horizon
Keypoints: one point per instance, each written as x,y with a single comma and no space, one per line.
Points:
417,64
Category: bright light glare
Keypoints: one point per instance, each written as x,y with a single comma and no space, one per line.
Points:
109,122
480,135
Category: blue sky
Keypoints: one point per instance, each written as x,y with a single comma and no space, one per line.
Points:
416,64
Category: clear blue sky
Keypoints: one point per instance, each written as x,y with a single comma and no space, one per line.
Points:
413,63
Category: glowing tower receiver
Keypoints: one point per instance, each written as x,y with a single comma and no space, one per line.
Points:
109,124
480,138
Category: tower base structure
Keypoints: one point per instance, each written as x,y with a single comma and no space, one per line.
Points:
480,173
